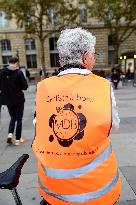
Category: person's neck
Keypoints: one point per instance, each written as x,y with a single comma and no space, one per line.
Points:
72,65
13,67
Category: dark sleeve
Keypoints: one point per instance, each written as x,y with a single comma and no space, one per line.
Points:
22,80
0,78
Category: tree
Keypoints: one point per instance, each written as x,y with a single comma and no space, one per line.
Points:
119,16
40,17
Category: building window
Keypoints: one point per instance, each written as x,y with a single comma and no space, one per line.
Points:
31,61
28,20
5,45
31,57
83,13
52,16
30,44
3,20
54,56
111,49
5,59
5,50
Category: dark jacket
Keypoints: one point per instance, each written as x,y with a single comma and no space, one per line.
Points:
12,82
115,77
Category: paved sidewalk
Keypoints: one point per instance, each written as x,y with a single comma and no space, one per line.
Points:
124,144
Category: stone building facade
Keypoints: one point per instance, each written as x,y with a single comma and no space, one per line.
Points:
14,41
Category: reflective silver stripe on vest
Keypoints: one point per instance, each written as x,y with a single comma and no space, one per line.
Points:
77,172
82,197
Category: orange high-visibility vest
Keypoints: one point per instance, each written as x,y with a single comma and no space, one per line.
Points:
76,163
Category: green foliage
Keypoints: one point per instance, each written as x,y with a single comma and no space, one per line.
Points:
34,14
119,16
116,14
38,16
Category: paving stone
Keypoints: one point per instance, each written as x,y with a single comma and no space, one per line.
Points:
130,172
132,202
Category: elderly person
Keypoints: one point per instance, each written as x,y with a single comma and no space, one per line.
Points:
75,112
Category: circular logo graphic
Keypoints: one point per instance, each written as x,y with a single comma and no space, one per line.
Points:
67,125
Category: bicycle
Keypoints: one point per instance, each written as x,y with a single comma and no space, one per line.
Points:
9,179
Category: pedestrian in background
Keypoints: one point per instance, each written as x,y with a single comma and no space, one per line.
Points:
12,82
56,72
75,111
128,74
115,77
28,77
42,74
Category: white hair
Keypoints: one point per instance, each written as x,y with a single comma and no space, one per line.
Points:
72,43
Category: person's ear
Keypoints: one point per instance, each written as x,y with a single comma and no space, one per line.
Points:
84,59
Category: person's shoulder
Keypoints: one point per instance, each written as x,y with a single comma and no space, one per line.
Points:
48,81
3,69
6,71
0,71
19,71
100,79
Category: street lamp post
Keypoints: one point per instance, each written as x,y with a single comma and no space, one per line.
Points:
123,62
0,54
134,82
17,55
125,57
134,63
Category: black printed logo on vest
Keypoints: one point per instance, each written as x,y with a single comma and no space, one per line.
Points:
67,125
